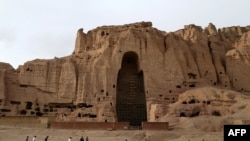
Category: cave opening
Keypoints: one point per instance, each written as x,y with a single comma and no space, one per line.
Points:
130,98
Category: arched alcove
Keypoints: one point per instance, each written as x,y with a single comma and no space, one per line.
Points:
130,98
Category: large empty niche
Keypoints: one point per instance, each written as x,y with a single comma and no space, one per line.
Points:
130,99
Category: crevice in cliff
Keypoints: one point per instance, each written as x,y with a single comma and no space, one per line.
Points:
212,57
77,78
58,70
140,49
210,51
146,43
197,64
32,86
223,63
38,89
165,45
140,44
47,74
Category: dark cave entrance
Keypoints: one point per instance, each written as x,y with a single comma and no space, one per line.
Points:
130,99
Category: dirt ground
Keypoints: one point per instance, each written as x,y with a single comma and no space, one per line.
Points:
8,133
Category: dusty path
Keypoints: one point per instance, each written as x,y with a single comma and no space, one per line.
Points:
19,134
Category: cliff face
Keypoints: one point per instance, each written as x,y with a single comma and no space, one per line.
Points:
134,61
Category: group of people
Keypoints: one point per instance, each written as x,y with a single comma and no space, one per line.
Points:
47,137
81,139
34,138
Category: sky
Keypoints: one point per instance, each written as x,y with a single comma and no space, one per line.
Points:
44,29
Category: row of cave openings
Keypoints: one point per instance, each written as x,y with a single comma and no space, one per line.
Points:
35,109
197,113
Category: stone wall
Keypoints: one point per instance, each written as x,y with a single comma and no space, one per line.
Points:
91,125
155,126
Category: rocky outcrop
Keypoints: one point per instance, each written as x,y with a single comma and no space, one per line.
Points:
110,61
207,109
204,101
4,68
238,65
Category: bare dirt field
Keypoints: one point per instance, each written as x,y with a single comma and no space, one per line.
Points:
8,133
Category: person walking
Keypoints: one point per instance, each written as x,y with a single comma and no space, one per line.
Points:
34,138
27,138
46,139
81,139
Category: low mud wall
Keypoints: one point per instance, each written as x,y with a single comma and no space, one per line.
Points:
155,126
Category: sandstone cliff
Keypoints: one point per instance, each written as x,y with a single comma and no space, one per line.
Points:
86,85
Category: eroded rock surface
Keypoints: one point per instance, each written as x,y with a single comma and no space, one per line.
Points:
135,66
207,109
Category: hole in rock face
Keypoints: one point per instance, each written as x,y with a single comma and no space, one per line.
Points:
79,115
28,69
37,109
216,113
182,114
5,110
102,33
29,105
191,75
23,85
92,116
23,112
184,102
196,114
178,86
130,92
192,101
15,102
192,85
39,114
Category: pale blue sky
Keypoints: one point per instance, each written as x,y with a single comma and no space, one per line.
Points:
31,29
